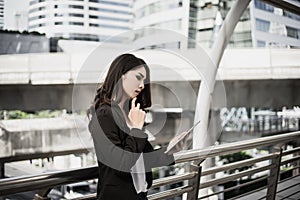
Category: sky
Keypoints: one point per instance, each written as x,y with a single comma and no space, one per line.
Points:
11,7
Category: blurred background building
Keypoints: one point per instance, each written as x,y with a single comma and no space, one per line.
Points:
1,14
93,20
14,42
261,25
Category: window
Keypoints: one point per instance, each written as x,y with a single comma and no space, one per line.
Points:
94,25
108,26
109,18
158,6
33,10
88,37
263,6
262,25
293,32
58,15
33,18
75,15
291,15
76,23
76,6
93,17
109,10
93,8
261,43
33,2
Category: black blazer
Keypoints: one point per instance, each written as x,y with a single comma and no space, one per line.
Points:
117,149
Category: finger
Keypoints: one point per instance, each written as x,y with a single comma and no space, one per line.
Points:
133,102
141,114
138,106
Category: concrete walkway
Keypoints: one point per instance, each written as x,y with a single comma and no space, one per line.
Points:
292,193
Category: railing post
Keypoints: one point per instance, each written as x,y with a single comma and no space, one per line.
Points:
2,170
297,163
42,194
274,175
195,182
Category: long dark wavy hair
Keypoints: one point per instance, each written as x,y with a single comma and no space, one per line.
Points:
112,90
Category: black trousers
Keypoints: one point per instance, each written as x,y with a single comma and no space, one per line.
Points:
142,196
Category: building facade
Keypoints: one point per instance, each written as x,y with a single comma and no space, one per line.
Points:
157,14
14,42
261,25
274,26
1,14
91,20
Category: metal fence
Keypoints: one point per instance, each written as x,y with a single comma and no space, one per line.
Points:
276,163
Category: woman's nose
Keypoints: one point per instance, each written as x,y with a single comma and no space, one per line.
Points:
141,86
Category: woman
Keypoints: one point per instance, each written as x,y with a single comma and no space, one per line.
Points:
125,157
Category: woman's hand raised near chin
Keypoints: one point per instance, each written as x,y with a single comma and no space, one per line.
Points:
136,115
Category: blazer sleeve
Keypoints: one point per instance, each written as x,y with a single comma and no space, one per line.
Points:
157,158
110,149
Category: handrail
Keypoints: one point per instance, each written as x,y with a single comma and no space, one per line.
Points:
235,176
291,151
170,193
46,180
242,163
49,180
195,154
38,155
172,179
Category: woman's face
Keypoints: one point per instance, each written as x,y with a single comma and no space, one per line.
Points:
133,81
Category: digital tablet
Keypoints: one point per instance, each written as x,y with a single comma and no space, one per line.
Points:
179,137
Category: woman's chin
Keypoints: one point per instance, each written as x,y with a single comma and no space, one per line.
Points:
134,95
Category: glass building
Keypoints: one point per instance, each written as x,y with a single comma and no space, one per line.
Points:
92,20
261,25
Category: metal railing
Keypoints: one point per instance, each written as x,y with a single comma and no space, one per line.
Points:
271,170
38,155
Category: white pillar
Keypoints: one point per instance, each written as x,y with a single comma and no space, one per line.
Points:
206,89
201,137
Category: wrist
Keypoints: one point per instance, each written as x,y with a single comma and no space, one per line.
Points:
138,133
137,127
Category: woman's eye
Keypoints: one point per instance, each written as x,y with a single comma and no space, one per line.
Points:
138,78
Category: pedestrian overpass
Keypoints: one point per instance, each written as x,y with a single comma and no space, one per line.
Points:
289,158
245,74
